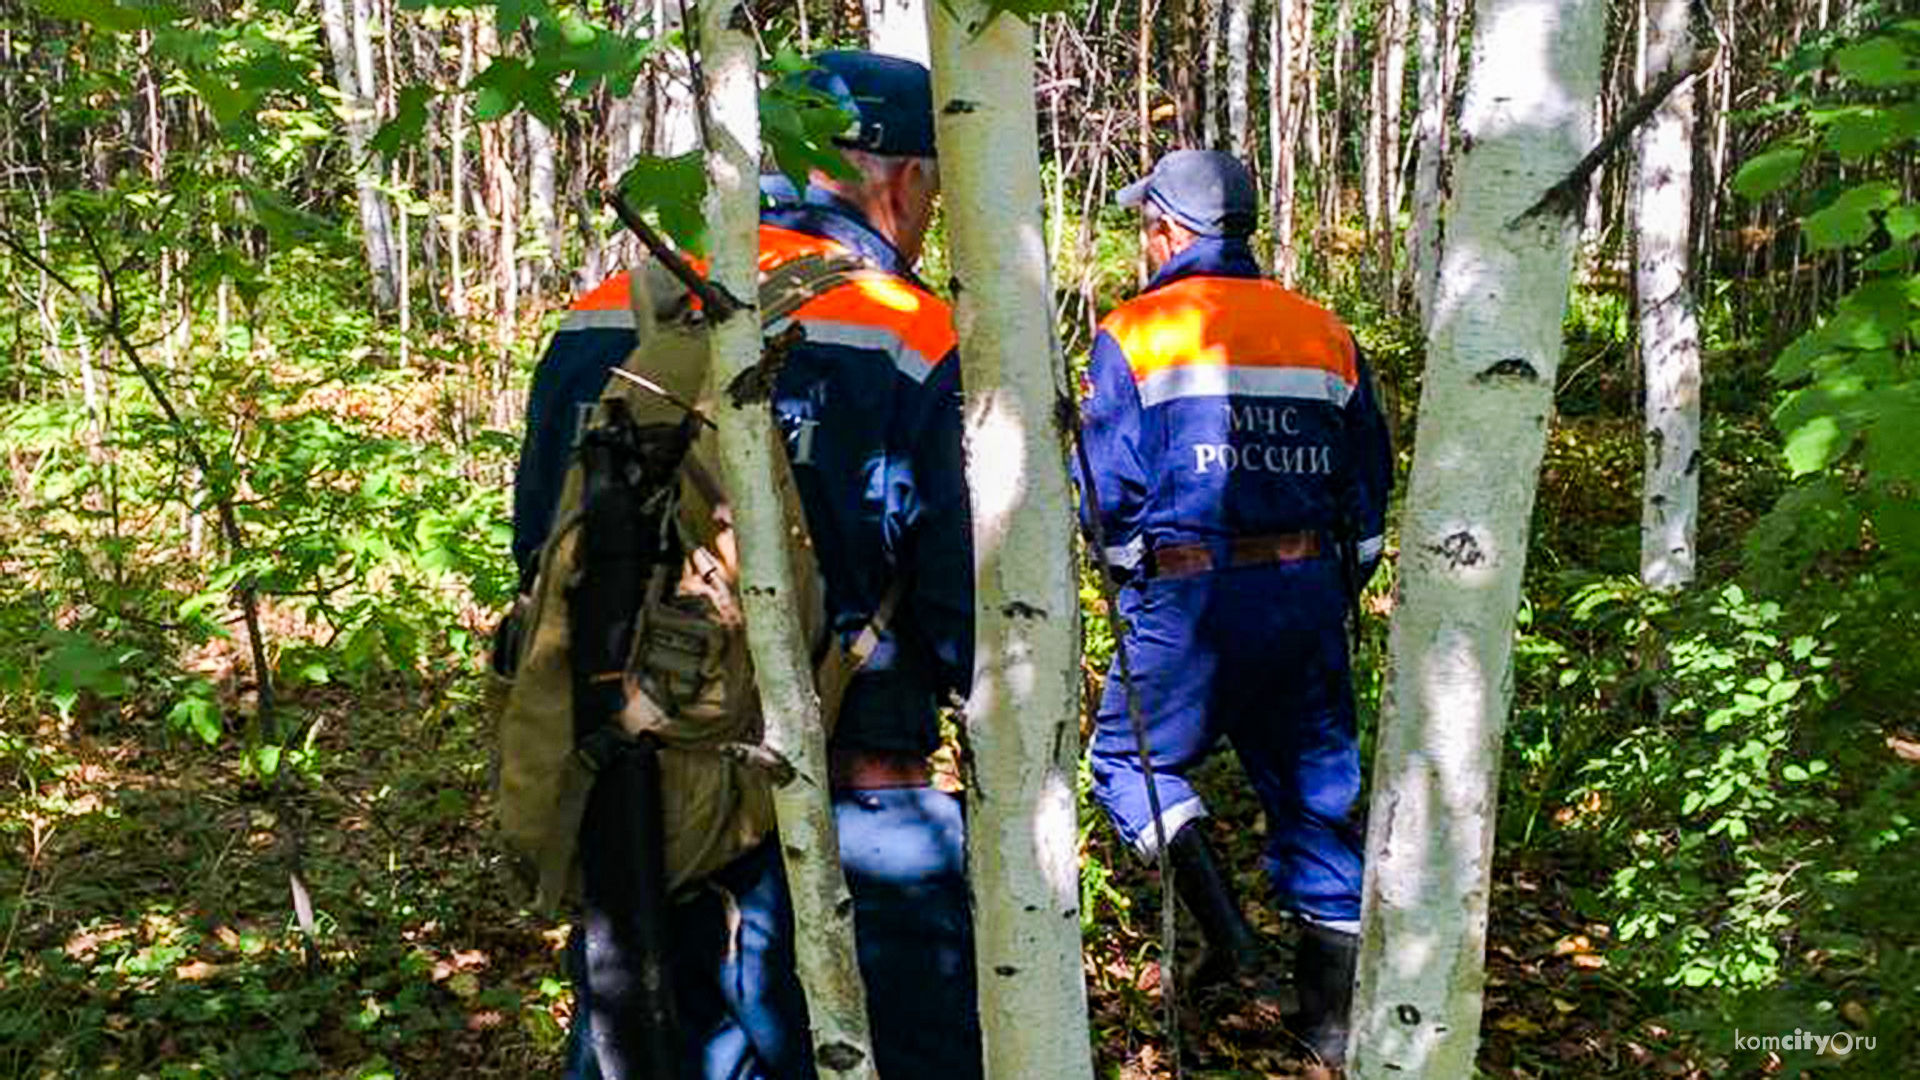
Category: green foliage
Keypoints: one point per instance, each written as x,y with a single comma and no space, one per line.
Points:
1851,409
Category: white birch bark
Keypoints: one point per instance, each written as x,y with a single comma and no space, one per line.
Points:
898,28
1023,714
1282,125
1210,96
1429,134
1239,64
758,478
1669,327
543,192
349,42
1484,410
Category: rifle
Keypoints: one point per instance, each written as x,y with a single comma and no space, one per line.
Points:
627,536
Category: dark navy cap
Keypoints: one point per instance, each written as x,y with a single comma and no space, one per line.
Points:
890,97
1205,190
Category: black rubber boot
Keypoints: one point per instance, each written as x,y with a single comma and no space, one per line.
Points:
1323,969
1232,948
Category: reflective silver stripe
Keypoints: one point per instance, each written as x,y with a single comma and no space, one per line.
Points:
1172,818
604,319
1344,926
1370,548
1126,556
1219,380
906,359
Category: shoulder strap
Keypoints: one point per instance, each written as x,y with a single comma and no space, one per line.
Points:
790,286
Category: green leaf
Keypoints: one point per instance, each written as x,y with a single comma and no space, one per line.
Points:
510,14
198,713
1877,62
1813,444
409,121
1848,220
1860,132
670,190
109,16
1767,173
1893,434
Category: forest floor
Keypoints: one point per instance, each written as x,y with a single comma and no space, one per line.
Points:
148,930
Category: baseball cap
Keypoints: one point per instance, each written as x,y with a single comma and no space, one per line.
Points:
891,99
1207,191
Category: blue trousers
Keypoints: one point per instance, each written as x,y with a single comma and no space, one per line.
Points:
742,1012
1257,655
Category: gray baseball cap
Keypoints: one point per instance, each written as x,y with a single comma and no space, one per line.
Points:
1207,191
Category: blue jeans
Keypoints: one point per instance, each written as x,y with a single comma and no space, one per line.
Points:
742,1013
1258,655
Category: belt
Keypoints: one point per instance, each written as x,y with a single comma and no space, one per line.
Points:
1187,560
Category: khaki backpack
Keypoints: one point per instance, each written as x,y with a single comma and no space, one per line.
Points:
688,679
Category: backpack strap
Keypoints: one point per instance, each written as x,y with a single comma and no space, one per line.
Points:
784,290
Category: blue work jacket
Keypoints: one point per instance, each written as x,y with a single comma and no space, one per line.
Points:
869,406
1222,405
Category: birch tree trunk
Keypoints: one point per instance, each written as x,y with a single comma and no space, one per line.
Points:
898,28
1669,327
760,482
1392,73
1023,714
1430,143
542,193
349,42
1484,411
1239,45
1282,124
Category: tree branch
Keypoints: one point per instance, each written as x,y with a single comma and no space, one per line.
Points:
1564,197
719,303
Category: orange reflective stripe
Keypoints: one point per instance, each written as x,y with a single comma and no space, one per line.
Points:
1230,322
889,315
609,295
778,245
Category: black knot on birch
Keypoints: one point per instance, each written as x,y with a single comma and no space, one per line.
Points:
754,386
1514,368
1021,610
1407,1014
839,1056
960,107
1006,971
1460,549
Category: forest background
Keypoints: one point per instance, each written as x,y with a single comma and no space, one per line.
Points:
277,273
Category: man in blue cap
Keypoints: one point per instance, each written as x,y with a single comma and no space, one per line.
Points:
868,402
1240,472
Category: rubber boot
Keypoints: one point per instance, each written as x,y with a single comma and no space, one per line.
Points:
1232,949
1323,975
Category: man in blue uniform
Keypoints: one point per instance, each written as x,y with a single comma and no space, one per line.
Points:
1240,471
869,405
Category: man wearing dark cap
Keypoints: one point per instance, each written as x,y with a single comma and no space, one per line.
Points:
1240,471
868,401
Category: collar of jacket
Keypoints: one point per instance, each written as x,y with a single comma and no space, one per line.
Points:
818,212
1209,256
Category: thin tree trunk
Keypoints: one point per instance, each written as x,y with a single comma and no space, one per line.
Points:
1430,140
349,40
1669,327
1392,73
761,487
897,28
457,169
1284,60
1022,717
1330,208
1485,406
543,206
1239,65
1210,96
